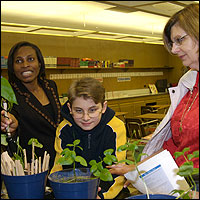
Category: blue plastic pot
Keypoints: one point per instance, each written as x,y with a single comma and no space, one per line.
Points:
152,196
74,190
26,187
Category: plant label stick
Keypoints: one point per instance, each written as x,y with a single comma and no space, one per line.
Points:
33,150
25,159
28,168
13,168
3,168
36,166
21,171
39,165
17,167
32,167
44,161
47,162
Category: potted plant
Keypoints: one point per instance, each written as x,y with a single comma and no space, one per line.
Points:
79,183
24,180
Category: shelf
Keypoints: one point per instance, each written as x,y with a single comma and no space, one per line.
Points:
122,68
109,68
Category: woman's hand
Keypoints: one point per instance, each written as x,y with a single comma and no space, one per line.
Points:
10,121
120,169
99,189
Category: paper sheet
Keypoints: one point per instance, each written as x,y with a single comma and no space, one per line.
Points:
159,174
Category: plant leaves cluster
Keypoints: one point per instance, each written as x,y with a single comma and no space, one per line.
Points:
133,147
97,168
8,96
7,93
187,170
69,157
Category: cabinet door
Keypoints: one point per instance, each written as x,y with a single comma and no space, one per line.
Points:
162,101
127,107
114,107
137,107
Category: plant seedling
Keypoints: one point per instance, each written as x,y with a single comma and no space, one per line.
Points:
97,168
69,157
187,170
133,147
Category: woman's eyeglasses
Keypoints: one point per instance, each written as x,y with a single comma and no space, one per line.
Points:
178,41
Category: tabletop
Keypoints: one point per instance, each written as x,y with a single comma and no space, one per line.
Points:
151,116
162,106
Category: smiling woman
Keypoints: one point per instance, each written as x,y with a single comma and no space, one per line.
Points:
38,109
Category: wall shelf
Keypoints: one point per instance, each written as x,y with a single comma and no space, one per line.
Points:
109,68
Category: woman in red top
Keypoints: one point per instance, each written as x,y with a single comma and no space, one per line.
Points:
180,126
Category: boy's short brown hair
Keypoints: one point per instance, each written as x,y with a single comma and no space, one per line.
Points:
87,87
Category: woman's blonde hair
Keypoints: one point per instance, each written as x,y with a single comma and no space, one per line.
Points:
187,19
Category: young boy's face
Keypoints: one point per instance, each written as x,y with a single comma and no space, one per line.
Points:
86,113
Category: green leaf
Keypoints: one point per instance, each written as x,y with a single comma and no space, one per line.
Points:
3,139
129,162
139,157
186,169
93,162
105,175
186,149
107,160
36,143
99,166
113,158
177,154
69,145
66,152
7,91
73,154
108,152
97,173
190,156
196,154
80,148
81,160
132,147
93,168
64,161
195,171
122,148
17,157
76,142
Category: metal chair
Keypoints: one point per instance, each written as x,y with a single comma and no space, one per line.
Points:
135,127
148,109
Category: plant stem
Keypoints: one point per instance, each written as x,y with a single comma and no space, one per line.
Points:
141,176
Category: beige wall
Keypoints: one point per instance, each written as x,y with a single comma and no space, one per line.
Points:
144,55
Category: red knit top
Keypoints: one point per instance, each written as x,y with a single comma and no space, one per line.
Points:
189,136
